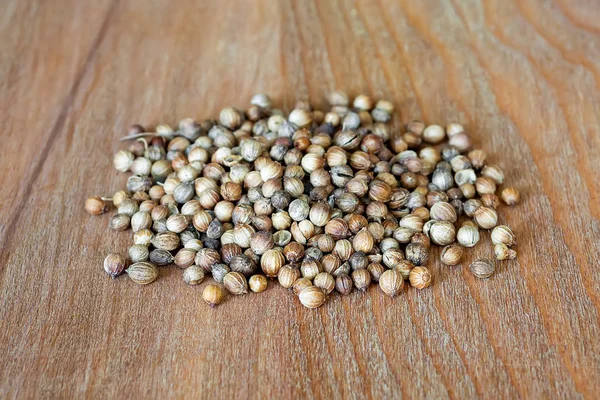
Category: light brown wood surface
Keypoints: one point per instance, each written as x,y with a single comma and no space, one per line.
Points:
523,76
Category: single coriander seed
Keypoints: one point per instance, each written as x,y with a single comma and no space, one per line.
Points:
420,277
391,282
235,283
114,264
482,268
510,196
213,294
142,273
193,275
257,283
95,206
312,297
502,252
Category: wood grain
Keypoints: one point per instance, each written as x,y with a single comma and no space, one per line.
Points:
522,76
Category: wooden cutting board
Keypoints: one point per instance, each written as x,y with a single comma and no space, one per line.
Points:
522,76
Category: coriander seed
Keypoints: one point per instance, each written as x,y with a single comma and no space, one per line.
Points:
213,294
114,264
324,281
257,283
417,254
312,297
482,268
343,284
120,222
391,282
510,196
300,284
467,236
235,283
486,217
193,275
451,254
287,276
361,278
420,277
95,206
503,234
502,252
142,273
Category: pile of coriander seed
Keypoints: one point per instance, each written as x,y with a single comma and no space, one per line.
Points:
318,201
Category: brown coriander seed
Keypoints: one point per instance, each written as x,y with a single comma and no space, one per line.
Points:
319,214
392,257
324,281
331,264
502,252
193,275
230,118
160,257
120,222
376,270
490,200
243,264
142,273
235,283
363,241
201,220
482,268
503,234
344,284
95,206
451,255
271,262
470,206
421,238
300,284
510,196
494,172
434,134
206,258
119,197
257,283
293,252
310,268
114,264
361,278
486,217
122,160
391,282
166,241
343,249
312,297
404,267
185,258
300,118
287,276
261,242
443,211
420,277
363,102
213,294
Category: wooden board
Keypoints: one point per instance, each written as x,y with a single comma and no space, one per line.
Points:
523,76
